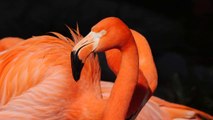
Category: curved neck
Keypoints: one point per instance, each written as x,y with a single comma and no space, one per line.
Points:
125,83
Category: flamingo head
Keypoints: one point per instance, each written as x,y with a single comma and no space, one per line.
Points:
109,33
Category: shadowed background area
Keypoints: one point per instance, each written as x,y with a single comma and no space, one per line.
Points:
178,31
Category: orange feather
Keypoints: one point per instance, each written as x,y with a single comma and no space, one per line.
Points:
36,82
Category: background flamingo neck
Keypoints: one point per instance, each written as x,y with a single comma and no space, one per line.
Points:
125,83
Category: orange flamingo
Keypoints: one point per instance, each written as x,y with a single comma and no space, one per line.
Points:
156,107
46,90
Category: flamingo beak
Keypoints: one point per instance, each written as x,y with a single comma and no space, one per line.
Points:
79,55
82,50
77,66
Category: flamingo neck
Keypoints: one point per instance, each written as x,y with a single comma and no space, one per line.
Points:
125,83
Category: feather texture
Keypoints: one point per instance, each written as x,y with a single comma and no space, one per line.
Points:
36,81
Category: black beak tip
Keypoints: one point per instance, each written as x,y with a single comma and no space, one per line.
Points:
77,65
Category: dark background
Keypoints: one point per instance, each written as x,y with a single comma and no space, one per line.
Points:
180,33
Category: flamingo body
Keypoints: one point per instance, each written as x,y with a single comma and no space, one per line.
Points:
36,83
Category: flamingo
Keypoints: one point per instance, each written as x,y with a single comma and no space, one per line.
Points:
156,108
43,88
